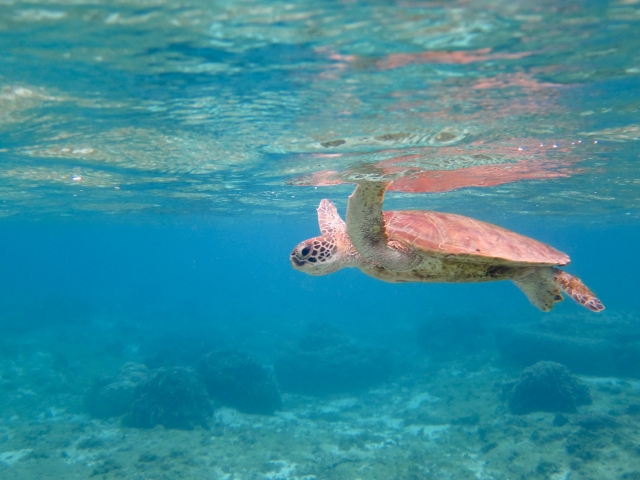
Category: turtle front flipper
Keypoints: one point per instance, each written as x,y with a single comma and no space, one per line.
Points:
329,219
367,230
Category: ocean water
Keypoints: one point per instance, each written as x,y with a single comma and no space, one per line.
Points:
160,160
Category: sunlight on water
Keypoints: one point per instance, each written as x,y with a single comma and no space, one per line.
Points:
161,107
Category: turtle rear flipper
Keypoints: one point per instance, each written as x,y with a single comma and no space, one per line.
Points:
577,290
539,287
543,286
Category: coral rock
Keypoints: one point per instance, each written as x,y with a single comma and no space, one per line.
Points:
236,380
547,387
173,398
112,397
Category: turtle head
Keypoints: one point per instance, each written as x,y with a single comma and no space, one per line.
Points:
329,252
319,256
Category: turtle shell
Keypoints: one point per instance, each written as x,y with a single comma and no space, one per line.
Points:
449,235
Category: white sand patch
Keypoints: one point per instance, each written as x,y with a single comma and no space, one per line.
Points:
220,475
230,417
374,446
35,15
597,380
53,414
347,429
394,423
478,469
339,405
281,470
72,455
610,380
9,458
419,399
380,445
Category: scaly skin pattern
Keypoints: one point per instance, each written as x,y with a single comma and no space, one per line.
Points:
577,290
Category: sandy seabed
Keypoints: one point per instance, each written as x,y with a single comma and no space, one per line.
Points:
442,421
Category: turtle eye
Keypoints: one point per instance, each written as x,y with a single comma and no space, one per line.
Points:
303,252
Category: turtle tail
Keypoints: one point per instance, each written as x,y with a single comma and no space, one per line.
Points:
543,287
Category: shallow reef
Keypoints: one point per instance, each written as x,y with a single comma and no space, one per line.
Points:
324,361
237,380
434,424
546,387
434,417
436,420
172,397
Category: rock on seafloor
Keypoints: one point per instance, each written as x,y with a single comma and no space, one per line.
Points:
112,397
174,398
546,387
237,380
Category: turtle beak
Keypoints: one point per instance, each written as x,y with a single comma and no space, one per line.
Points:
301,254
295,263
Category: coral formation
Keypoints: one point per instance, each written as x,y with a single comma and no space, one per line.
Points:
547,387
172,397
324,361
112,397
431,423
237,380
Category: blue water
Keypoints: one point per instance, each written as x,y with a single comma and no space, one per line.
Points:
159,162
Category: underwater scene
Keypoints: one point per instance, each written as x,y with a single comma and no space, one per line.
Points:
328,240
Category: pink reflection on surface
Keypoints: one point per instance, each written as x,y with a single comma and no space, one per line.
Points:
509,164
432,181
461,57
518,79
478,176
464,108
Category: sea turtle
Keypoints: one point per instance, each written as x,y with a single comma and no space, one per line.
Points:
425,246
